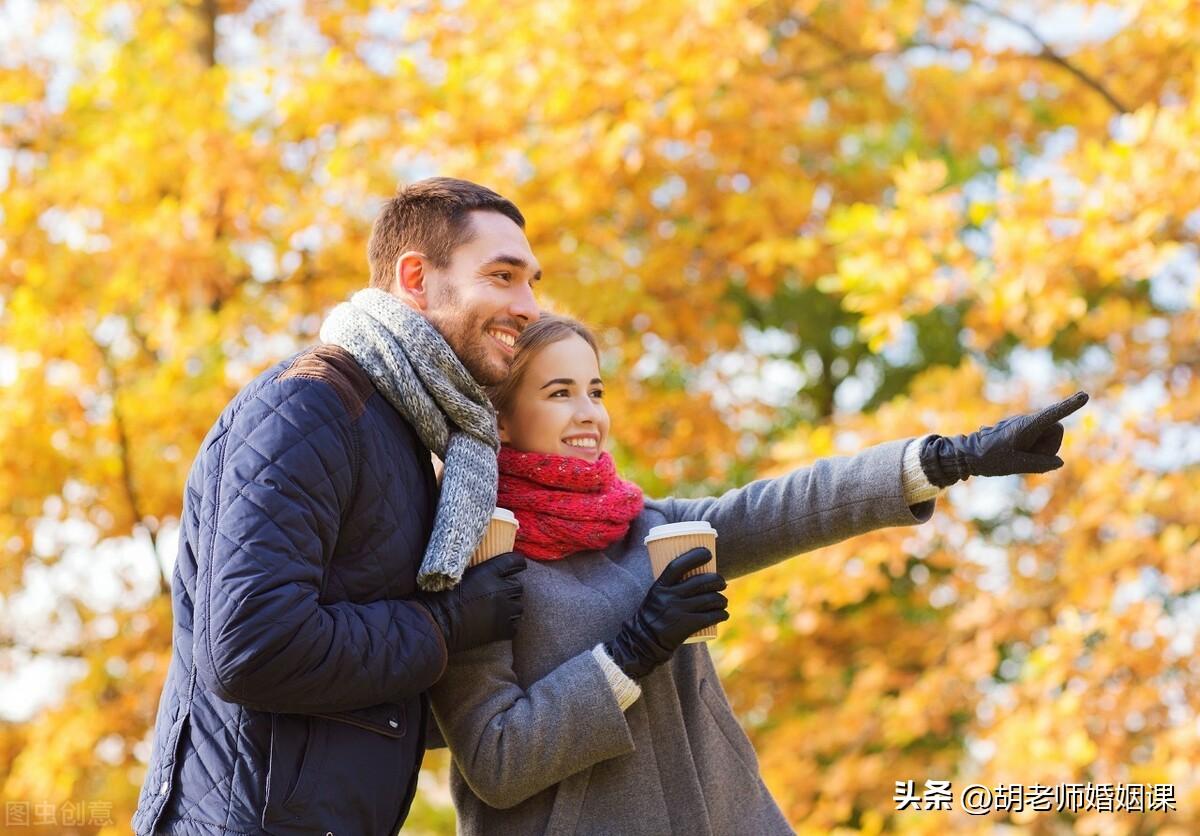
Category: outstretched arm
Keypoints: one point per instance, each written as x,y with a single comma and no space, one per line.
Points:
894,483
831,500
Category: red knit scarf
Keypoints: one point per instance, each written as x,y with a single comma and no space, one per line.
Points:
565,504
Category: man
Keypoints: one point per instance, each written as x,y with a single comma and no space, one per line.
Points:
295,699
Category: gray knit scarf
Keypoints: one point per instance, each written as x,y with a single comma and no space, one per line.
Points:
419,374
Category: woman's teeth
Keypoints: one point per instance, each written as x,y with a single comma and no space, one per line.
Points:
585,443
508,339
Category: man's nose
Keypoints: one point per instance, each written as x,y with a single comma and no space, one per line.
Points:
523,306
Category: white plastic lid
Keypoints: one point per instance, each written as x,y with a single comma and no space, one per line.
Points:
661,532
505,515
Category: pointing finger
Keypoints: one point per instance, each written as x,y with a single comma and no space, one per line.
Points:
1054,414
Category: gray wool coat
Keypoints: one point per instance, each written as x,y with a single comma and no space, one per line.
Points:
538,740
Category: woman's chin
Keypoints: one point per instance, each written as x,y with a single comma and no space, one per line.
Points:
586,454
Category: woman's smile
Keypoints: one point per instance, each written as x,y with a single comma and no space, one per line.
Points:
585,443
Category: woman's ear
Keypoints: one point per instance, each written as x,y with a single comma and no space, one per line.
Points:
504,439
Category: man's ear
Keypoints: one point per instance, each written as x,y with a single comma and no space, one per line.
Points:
410,283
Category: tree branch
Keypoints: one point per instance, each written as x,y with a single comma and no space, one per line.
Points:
123,447
208,46
1048,53
847,55
10,645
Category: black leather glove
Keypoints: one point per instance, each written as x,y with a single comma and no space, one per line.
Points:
672,610
484,607
1021,444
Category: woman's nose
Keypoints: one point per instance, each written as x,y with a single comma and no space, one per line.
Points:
586,412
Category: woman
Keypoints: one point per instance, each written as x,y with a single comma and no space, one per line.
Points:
596,718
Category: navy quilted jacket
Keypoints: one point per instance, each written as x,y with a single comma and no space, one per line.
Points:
295,701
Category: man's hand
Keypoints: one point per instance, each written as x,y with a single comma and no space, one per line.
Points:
1021,444
484,607
672,610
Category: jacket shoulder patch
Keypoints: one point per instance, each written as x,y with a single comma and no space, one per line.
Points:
335,366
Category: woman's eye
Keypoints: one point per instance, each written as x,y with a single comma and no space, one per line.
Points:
597,393
558,392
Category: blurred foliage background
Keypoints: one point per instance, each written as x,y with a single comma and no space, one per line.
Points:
799,227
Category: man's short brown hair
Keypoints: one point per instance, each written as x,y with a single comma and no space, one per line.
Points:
429,216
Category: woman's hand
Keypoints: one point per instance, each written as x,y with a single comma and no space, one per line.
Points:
1021,444
672,610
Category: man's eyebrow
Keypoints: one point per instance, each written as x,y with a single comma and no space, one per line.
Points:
567,381
513,261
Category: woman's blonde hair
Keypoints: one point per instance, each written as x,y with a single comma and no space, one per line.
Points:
548,330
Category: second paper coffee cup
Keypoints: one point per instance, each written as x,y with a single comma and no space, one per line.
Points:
500,537
667,542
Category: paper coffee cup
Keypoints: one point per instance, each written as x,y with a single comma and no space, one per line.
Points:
500,537
667,542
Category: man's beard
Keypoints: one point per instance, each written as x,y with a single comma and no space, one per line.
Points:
471,350
466,336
